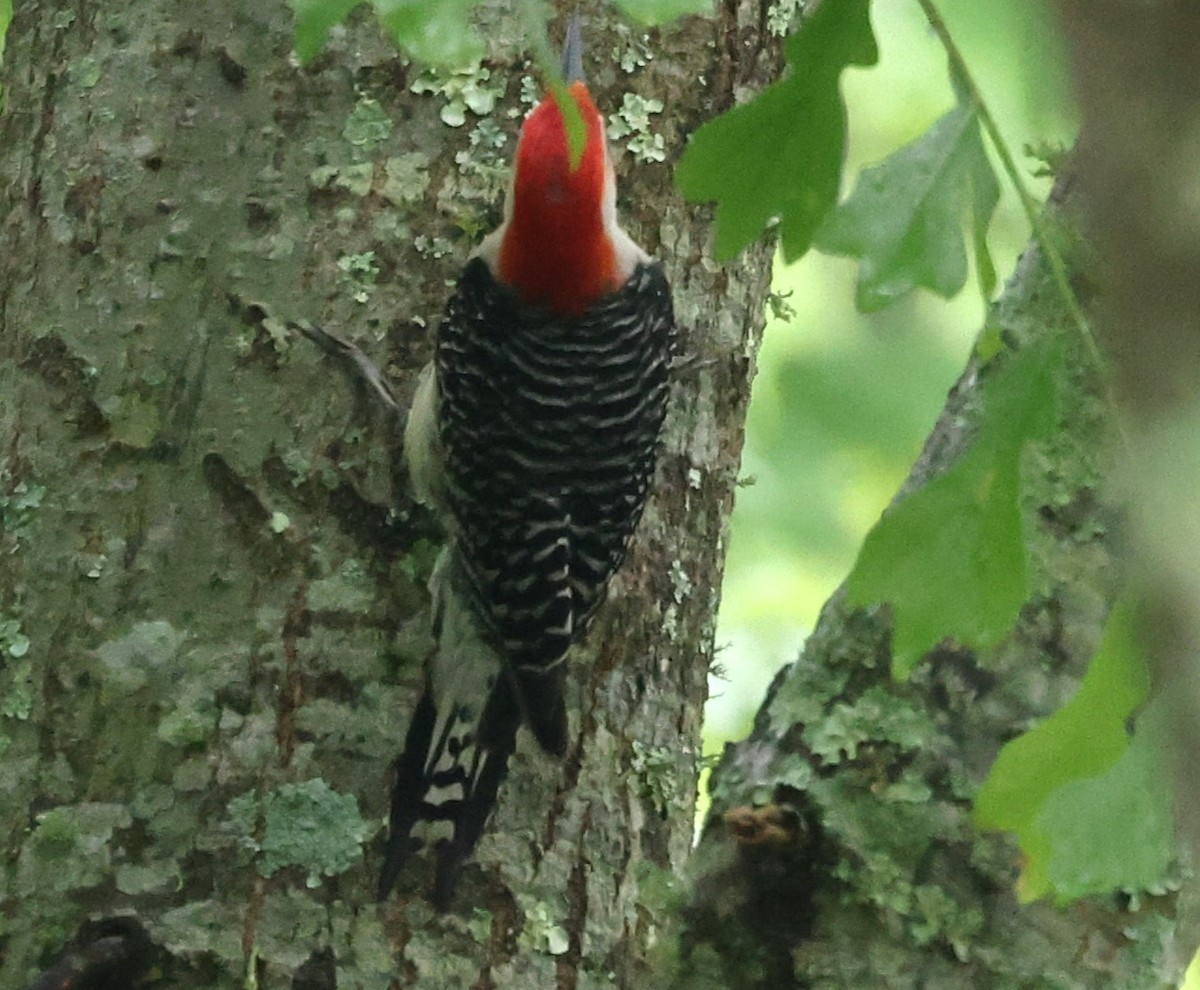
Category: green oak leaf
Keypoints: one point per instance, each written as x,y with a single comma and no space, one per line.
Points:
314,20
652,12
950,559
1114,831
904,220
780,155
985,194
573,124
1088,802
437,32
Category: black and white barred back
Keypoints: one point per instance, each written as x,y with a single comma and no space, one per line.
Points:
549,430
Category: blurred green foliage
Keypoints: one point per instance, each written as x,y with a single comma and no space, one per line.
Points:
5,17
843,401
950,559
787,144
904,240
438,32
1088,798
432,31
650,12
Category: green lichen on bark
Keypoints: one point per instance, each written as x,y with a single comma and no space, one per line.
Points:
223,583
869,780
308,825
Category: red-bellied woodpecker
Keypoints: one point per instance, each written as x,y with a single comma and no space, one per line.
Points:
534,436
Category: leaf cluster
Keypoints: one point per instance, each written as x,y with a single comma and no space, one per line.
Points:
438,32
950,561
1086,791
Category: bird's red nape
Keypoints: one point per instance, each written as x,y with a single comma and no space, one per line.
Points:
557,251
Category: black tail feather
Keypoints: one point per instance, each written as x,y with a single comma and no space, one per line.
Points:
408,793
497,740
479,750
541,693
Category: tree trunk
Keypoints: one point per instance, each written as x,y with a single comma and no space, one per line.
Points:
840,852
1138,90
212,605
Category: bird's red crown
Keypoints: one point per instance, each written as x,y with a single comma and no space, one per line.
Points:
557,251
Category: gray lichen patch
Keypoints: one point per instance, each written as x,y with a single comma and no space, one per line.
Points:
18,502
406,177
202,929
158,877
192,721
308,825
146,653
16,675
630,125
462,91
877,716
69,848
543,930
367,127
349,590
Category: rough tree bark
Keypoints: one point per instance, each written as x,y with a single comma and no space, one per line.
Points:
1138,90
1138,93
211,588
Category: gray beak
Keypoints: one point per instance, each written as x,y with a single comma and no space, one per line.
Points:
572,56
